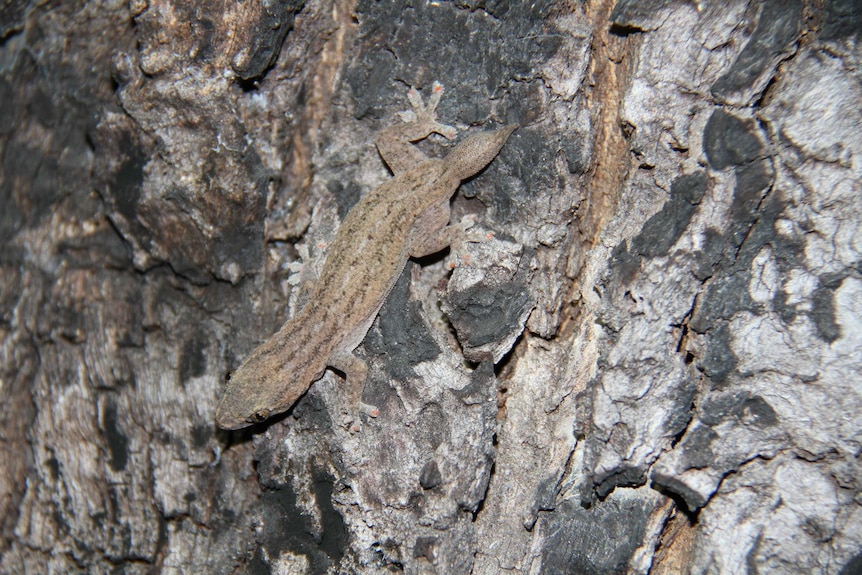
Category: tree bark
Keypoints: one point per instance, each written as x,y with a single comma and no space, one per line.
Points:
652,366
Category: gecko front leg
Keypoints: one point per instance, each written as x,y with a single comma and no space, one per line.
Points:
355,373
394,142
429,238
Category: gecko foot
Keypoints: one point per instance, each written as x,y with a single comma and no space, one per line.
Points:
464,232
461,234
368,409
297,268
426,115
353,423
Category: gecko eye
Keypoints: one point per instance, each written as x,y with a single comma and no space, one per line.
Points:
259,416
227,376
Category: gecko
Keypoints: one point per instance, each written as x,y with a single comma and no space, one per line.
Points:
405,217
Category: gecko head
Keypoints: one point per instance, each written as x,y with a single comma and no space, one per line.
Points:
254,393
241,406
237,411
474,153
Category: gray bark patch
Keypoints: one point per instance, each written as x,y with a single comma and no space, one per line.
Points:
595,541
777,28
663,229
730,141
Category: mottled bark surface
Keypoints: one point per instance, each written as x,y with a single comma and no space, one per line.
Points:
651,367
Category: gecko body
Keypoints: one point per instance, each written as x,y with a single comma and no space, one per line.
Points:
405,217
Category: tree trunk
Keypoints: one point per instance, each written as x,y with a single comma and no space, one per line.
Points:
652,366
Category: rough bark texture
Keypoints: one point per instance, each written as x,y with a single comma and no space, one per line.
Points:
653,366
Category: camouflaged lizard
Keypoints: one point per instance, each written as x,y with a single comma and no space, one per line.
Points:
407,216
